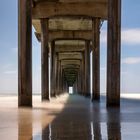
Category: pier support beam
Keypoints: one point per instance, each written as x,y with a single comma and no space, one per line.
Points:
113,53
25,53
96,59
44,59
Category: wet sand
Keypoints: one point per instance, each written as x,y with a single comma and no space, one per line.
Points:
70,117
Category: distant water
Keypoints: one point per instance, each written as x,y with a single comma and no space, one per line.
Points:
14,94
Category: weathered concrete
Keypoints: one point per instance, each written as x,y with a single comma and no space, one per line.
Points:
87,9
67,34
25,54
87,69
96,59
113,53
53,69
44,60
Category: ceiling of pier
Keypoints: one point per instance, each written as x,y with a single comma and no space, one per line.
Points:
68,19
70,26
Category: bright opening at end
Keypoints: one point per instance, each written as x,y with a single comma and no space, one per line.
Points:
70,90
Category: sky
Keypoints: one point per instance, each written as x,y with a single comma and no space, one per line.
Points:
130,49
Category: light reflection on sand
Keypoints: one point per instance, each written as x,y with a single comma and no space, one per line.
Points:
72,117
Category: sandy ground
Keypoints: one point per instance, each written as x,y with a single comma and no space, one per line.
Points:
70,118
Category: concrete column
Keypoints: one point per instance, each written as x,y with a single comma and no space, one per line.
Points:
87,68
62,82
66,88
53,69
81,77
58,84
61,79
57,75
44,59
89,84
79,81
74,87
25,53
113,52
83,73
96,59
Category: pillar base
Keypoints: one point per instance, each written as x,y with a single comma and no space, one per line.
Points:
44,98
53,95
113,103
87,95
24,101
95,98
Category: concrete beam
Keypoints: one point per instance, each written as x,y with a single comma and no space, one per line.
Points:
70,70
70,62
68,55
65,24
53,9
67,35
69,48
70,1
70,66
